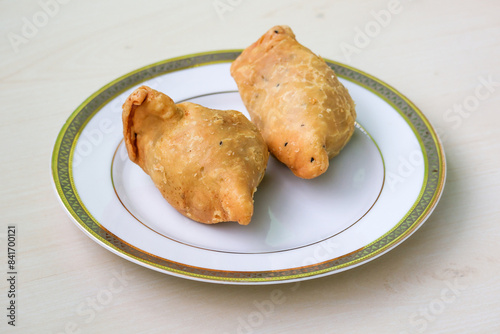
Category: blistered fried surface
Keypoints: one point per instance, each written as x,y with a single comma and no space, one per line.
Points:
303,111
207,163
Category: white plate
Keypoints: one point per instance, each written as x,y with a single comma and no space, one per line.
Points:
375,194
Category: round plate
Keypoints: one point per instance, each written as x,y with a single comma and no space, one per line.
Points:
376,193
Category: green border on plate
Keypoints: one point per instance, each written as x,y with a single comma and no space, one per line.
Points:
62,159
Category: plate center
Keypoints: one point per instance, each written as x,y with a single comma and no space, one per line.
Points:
289,212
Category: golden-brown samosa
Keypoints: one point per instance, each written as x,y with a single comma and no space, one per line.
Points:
207,163
302,110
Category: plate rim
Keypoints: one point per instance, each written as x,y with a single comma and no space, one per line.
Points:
62,177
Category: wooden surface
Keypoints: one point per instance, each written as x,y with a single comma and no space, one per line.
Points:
438,53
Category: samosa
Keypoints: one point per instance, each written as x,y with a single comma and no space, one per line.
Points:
303,111
206,163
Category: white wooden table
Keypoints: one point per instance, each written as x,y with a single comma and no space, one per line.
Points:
444,56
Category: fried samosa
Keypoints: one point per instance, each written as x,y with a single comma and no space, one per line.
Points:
206,163
304,113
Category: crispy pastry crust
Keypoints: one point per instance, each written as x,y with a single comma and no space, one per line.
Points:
206,163
304,113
